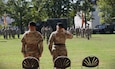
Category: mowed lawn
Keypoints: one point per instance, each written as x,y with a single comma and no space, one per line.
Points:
100,45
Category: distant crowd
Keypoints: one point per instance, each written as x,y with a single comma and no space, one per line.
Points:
80,32
10,32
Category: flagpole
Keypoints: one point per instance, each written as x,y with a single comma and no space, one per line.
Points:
5,22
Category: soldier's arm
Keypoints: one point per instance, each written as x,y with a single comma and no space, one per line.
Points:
41,46
23,48
68,34
23,45
50,42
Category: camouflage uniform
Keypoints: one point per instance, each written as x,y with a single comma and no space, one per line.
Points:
32,44
58,38
10,33
5,33
43,31
13,33
82,32
48,32
77,32
18,31
88,32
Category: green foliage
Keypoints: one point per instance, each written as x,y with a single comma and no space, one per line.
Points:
87,8
17,10
57,8
38,11
0,26
24,11
106,8
2,8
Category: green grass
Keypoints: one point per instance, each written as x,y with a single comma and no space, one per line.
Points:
102,46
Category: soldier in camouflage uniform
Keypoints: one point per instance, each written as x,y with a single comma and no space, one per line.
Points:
13,33
18,32
57,41
32,42
5,33
43,31
48,32
77,31
10,32
88,31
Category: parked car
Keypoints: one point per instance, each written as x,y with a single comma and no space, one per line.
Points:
99,29
104,28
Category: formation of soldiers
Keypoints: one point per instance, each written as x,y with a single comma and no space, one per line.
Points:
81,32
10,33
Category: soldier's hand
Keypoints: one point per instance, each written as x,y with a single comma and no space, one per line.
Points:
63,30
51,52
39,55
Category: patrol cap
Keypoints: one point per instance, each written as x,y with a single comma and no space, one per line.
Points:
60,25
32,24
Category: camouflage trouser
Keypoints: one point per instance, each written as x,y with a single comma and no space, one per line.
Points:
36,55
58,51
77,32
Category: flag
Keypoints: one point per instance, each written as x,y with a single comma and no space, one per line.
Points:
82,20
5,22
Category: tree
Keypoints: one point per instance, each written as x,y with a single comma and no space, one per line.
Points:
57,8
38,12
86,6
2,8
24,11
106,8
17,10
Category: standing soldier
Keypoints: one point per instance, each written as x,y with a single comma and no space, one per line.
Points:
5,33
43,31
77,31
58,38
18,32
48,32
82,32
32,42
13,33
10,32
0,32
88,32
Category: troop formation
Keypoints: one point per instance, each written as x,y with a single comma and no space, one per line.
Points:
10,32
81,32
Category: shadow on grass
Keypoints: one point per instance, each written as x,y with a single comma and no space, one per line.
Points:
3,41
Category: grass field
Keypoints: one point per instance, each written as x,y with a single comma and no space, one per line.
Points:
102,46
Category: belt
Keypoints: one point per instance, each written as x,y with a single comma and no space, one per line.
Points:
59,44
